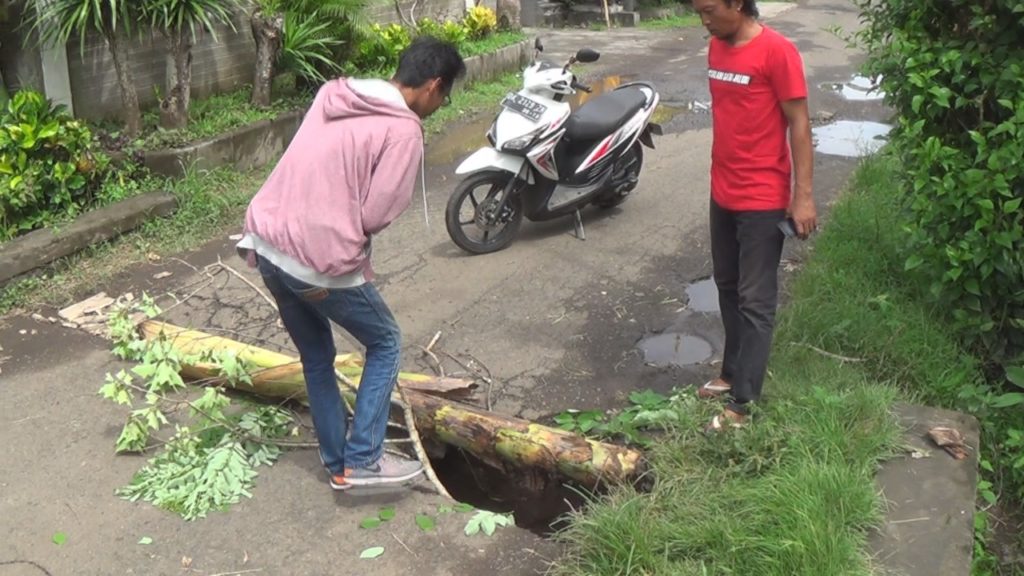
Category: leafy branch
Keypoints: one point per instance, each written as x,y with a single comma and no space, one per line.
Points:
209,465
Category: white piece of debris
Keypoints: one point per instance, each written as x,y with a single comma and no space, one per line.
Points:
235,237
162,275
22,332
38,318
90,314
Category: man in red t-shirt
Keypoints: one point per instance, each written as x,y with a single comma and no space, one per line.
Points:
758,97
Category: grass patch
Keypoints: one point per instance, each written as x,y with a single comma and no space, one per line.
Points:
210,203
208,117
794,493
471,100
491,43
675,21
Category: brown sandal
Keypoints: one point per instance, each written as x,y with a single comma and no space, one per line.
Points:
727,419
713,389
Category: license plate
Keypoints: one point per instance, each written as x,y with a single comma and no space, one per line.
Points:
524,106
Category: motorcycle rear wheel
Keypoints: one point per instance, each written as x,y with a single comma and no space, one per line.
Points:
497,231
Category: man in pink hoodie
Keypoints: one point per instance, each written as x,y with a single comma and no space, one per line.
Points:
348,173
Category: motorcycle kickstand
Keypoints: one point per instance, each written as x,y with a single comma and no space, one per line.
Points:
579,226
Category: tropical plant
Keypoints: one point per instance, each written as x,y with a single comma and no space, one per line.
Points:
50,166
56,21
309,47
317,26
480,21
180,22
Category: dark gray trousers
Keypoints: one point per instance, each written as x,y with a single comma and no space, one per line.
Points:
746,248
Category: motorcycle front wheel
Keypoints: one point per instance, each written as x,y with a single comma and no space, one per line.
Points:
473,219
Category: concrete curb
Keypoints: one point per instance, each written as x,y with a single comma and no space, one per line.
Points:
243,148
260,143
930,497
39,248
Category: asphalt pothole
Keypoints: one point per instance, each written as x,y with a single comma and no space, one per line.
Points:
675,349
703,296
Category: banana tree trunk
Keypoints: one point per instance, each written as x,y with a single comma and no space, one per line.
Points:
267,31
502,442
126,81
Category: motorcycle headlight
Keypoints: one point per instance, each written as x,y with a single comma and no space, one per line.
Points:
521,143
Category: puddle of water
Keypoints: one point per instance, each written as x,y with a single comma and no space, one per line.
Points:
675,349
852,139
598,87
860,88
457,142
664,113
703,296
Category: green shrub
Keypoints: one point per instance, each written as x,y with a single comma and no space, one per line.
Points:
449,31
954,72
480,21
50,165
380,50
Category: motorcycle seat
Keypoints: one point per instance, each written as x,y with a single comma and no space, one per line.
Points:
604,114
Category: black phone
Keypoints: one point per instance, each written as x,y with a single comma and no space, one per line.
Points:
788,228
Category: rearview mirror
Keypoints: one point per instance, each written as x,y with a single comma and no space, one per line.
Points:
537,45
587,55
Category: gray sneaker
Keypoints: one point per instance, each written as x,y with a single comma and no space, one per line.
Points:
388,470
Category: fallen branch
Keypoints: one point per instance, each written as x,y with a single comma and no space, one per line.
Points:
827,353
502,442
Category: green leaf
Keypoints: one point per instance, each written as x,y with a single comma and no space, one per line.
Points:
971,285
1011,206
145,540
387,514
370,523
60,538
913,261
1008,400
445,509
426,523
1015,374
371,553
463,507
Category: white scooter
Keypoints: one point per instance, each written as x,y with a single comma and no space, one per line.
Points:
546,161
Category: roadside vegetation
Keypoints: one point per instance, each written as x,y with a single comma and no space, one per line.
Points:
913,293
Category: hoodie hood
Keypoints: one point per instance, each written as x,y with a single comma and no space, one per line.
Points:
351,98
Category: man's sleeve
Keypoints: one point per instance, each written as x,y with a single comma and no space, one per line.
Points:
787,73
392,184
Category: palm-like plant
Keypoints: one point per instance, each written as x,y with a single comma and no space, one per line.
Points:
304,35
180,22
56,21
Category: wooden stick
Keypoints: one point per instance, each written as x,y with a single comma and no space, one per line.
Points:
417,445
828,354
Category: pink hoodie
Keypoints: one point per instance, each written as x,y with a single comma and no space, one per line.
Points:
348,173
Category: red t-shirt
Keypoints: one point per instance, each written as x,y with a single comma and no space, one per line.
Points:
750,158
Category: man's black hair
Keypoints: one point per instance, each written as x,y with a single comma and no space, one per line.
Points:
749,7
428,58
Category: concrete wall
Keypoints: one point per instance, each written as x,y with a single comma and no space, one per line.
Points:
217,66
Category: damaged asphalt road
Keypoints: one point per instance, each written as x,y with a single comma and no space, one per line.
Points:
558,322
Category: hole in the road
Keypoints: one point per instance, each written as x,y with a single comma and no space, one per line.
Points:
703,296
539,503
674,349
859,89
852,139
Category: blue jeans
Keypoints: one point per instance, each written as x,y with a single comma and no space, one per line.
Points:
306,312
